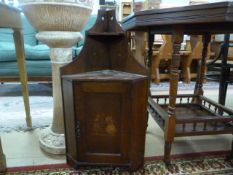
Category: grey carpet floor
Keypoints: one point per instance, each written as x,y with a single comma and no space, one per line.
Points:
35,89
12,113
164,86
45,89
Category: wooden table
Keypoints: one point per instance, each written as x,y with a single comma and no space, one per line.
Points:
176,114
10,18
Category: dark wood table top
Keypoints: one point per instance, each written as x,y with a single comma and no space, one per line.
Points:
195,19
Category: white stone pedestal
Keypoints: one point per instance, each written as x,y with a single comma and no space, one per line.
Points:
52,139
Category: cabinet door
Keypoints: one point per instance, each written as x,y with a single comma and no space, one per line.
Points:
102,117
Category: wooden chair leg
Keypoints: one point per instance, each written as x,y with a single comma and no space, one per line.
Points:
155,70
2,160
167,152
157,76
186,69
187,75
19,46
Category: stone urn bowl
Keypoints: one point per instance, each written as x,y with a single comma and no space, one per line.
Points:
57,16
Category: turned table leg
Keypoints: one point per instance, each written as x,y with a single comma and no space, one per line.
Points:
19,46
202,68
170,125
225,72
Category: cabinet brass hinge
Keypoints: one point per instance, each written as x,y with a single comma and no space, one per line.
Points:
78,129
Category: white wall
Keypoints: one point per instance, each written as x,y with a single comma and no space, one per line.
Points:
164,3
95,6
170,3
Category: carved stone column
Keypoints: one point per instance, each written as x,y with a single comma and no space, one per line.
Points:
52,139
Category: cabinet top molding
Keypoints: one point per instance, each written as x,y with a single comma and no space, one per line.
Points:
194,19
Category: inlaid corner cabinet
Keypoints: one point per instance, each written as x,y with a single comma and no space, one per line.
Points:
105,92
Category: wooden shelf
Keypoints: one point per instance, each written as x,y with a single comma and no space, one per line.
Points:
192,118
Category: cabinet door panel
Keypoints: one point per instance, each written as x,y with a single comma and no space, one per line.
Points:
104,124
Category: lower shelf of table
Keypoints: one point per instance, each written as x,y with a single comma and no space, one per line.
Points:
194,115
